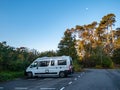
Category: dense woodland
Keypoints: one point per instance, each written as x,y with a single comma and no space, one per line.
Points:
94,45
98,44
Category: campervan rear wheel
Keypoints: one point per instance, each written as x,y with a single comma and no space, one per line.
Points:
29,75
62,74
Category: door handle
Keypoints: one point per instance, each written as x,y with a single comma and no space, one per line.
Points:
47,71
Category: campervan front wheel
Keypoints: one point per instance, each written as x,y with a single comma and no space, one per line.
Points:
62,74
29,75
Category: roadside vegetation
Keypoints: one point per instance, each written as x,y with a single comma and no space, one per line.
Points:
9,75
95,45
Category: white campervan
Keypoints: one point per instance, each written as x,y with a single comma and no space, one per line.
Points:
49,66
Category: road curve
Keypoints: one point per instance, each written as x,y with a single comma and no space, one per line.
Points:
95,79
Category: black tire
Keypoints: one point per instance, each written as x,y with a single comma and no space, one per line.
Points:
66,75
62,74
29,75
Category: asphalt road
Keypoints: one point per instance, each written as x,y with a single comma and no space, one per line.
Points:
90,79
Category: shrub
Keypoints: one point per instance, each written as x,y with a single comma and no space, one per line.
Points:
107,62
77,67
98,66
5,76
116,56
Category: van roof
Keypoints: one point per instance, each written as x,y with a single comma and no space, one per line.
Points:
51,58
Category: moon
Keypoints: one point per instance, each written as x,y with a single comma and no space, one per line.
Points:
86,8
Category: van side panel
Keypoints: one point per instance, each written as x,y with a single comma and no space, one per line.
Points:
51,66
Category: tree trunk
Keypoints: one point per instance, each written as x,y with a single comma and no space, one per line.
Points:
112,34
107,37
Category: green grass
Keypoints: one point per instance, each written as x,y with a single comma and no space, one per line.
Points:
9,75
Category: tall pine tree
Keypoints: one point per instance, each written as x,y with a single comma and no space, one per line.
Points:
67,45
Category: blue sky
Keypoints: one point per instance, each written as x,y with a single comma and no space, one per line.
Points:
40,24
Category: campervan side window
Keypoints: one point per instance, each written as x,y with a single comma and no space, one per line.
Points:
44,63
62,62
52,63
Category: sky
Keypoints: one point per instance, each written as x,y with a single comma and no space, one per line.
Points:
40,24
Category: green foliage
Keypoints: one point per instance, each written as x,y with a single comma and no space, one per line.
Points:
67,45
107,62
18,65
97,40
116,56
94,58
98,59
48,54
77,66
4,76
14,59
98,67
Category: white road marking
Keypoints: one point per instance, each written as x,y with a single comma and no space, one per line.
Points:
1,87
62,88
21,88
70,83
47,88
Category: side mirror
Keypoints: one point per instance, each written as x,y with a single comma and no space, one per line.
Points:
31,66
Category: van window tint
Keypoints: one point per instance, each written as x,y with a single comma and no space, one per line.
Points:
44,63
34,65
52,63
62,62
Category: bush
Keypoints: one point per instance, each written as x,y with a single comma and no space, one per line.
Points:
107,62
116,56
18,65
98,66
77,67
5,76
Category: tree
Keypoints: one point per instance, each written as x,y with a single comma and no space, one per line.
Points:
106,23
14,59
116,56
67,45
48,54
96,37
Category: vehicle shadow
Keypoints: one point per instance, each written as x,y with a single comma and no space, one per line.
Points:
48,77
